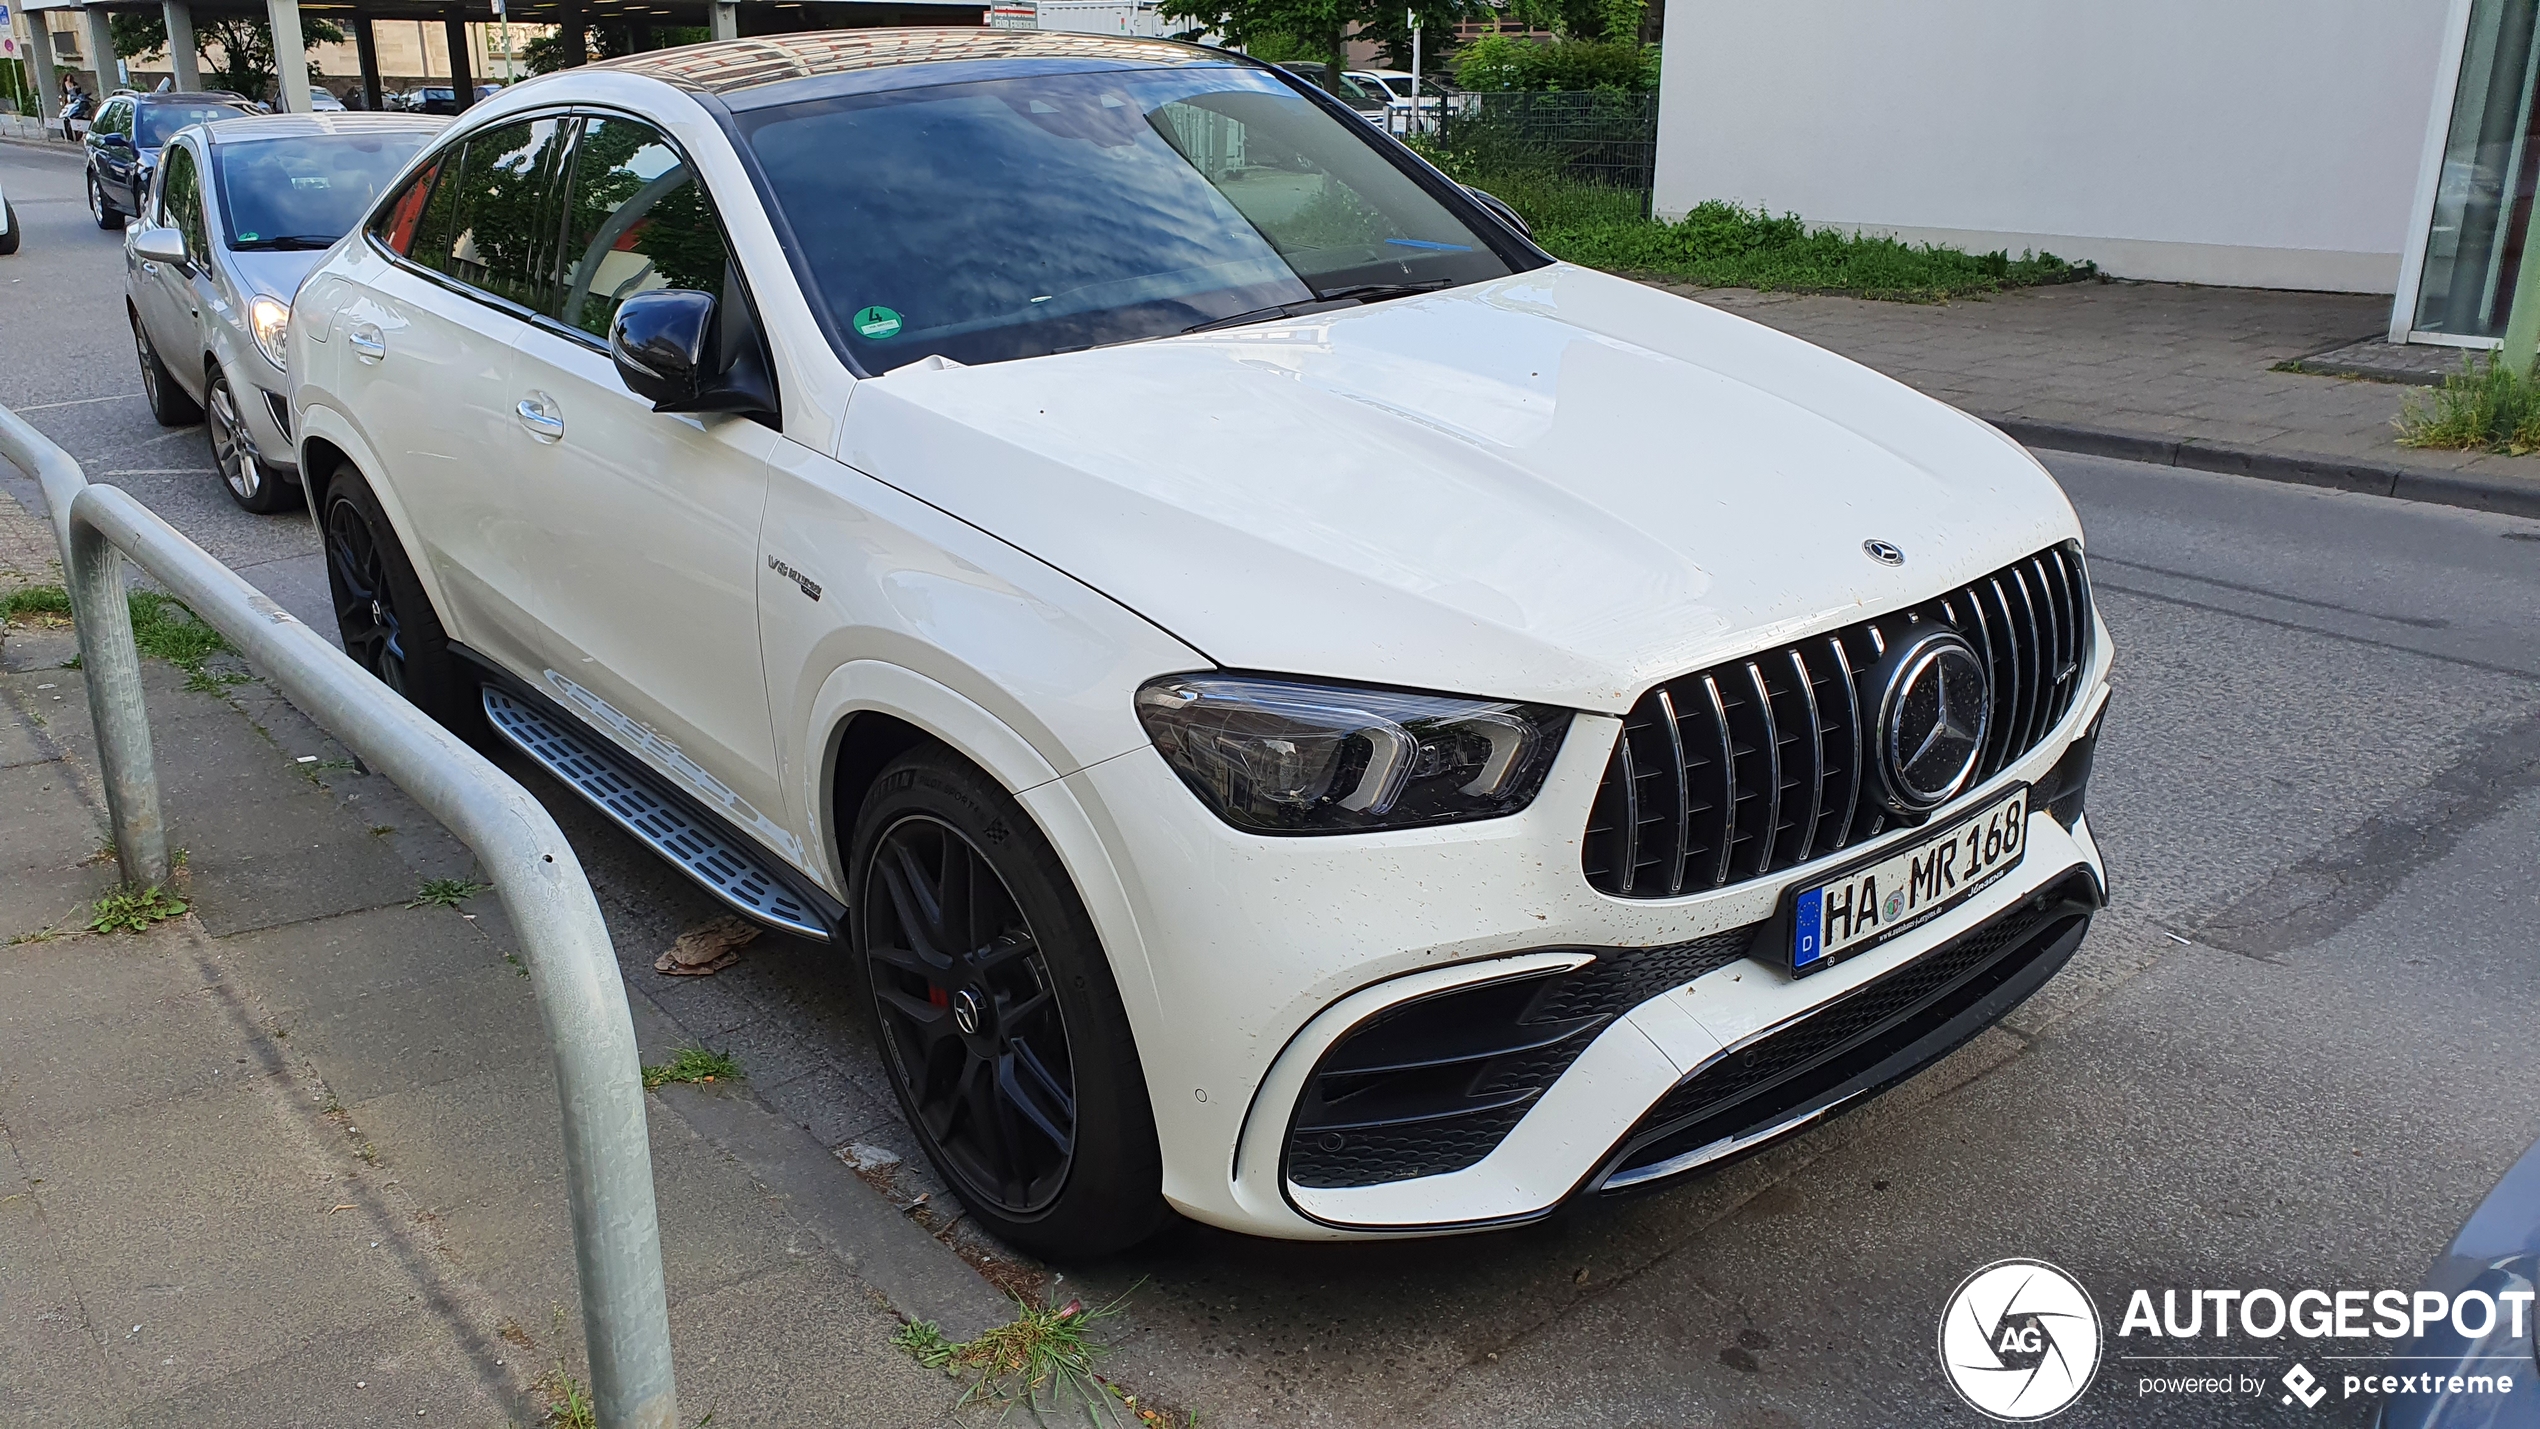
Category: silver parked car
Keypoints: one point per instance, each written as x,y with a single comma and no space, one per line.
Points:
238,215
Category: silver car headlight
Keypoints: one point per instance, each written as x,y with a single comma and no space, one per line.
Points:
1284,756
269,322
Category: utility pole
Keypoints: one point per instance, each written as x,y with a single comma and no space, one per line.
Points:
1412,124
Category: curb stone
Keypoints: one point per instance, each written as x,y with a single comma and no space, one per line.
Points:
2512,496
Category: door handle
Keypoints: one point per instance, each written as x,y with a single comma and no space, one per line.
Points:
538,413
368,342
149,267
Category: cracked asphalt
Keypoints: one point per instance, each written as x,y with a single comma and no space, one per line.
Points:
2295,1052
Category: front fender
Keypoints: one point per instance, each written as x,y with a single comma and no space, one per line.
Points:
318,425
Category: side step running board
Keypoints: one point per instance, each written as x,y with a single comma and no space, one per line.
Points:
718,861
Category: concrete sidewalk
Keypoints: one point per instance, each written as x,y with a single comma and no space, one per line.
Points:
293,1157
2164,373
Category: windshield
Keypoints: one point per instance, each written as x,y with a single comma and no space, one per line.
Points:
1020,216
306,191
158,121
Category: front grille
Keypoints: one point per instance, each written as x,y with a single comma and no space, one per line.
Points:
1758,765
1759,1083
1434,1084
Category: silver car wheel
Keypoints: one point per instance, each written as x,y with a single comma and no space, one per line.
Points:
231,450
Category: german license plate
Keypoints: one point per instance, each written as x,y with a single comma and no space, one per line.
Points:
1870,903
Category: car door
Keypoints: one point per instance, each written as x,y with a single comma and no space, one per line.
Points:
636,541
171,294
110,138
446,279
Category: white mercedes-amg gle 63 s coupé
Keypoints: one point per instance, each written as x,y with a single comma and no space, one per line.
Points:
1299,708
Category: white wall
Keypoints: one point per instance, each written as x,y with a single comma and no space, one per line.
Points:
2264,143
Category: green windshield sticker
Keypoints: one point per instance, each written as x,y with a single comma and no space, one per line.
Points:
877,324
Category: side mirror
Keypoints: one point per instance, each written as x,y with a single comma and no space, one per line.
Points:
159,245
1500,210
659,344
663,343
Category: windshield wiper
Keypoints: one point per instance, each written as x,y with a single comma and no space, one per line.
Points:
1350,295
289,242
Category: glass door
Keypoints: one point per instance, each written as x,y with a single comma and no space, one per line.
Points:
2483,193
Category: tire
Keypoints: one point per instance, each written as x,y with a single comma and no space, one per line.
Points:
168,402
9,240
108,216
1012,1057
385,620
244,475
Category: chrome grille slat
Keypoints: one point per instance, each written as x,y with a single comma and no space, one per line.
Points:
1668,819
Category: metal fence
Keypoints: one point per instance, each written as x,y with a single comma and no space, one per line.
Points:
1604,138
572,965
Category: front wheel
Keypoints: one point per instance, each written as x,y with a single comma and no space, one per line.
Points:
1002,1029
385,620
101,207
252,484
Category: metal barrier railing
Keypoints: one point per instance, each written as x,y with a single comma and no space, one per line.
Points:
572,964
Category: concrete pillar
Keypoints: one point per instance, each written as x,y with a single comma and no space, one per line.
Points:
290,56
571,34
727,20
366,49
462,64
181,58
48,82
100,44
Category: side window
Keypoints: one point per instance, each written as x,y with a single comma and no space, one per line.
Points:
488,223
635,220
181,199
395,227
110,120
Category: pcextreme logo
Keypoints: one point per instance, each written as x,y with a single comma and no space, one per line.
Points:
2019,1341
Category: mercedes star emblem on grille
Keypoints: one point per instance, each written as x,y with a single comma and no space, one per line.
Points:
1883,553
1932,719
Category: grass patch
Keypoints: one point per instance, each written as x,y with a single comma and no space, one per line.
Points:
1044,1358
693,1064
2485,406
1720,245
131,910
446,892
162,626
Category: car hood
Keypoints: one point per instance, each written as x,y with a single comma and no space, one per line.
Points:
1560,486
275,274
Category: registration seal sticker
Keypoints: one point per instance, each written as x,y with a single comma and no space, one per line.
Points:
876,324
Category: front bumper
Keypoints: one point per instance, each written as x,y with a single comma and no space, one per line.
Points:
1245,959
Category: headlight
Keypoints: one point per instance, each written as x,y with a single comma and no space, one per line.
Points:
270,322
1280,756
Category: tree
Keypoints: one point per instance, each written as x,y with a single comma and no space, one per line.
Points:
1320,28
245,44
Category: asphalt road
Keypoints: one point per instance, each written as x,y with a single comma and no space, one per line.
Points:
2294,1054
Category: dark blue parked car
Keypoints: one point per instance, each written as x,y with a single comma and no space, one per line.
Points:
124,142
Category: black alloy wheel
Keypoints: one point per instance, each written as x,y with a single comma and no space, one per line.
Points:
1001,1026
365,609
382,615
970,1021
169,405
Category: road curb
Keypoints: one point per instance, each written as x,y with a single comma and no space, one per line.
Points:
2513,496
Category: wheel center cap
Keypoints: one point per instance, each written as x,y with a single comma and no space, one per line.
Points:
377,615
969,1012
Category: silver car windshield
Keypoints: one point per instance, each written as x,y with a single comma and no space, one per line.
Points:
306,191
1019,216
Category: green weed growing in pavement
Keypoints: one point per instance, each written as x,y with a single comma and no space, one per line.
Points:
1044,1357
35,600
130,910
446,892
693,1064
2485,406
162,626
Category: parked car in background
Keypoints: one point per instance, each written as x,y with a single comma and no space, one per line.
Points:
323,101
9,232
240,214
1622,736
2496,1255
1369,100
444,100
123,144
